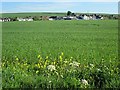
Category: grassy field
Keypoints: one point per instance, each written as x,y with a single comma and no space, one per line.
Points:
68,54
47,14
31,14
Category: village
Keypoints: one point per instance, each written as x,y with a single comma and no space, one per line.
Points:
67,17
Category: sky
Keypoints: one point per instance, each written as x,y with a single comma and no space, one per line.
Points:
60,6
59,0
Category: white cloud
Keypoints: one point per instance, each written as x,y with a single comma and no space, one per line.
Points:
43,7
60,0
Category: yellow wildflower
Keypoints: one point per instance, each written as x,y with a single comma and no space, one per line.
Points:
60,57
17,59
38,65
3,64
18,63
37,72
39,56
54,62
46,57
62,53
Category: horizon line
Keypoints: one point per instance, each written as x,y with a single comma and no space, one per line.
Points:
57,12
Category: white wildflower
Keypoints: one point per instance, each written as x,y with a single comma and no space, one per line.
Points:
75,64
50,81
51,67
57,73
98,69
84,82
61,76
65,61
91,65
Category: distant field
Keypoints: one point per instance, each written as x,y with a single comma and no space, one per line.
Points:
46,14
31,14
87,42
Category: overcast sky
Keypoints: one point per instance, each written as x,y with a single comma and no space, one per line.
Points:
60,6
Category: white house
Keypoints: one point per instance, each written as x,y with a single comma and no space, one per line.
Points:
4,19
85,17
90,17
0,19
51,19
29,19
25,19
94,17
102,18
20,19
8,19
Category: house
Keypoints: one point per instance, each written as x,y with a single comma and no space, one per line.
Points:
29,19
53,18
85,17
5,19
20,19
60,18
91,17
94,17
73,17
102,18
98,17
0,19
25,19
79,17
45,18
70,18
67,18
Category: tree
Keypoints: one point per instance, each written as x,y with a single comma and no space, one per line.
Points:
14,19
73,14
69,13
35,18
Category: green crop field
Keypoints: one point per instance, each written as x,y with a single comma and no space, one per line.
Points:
24,14
60,54
31,14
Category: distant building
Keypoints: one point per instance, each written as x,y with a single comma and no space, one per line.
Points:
70,18
53,18
60,18
1,20
85,17
5,19
45,18
102,18
25,19
79,17
67,18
